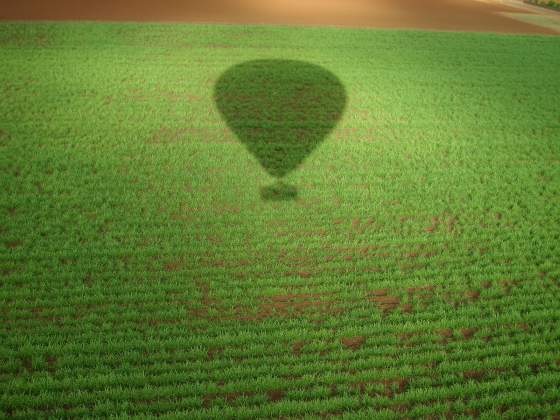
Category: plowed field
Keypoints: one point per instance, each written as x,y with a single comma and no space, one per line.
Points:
451,15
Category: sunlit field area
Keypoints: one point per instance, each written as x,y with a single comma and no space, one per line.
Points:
262,221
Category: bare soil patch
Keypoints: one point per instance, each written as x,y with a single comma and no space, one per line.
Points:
386,304
297,305
476,375
276,395
455,15
353,343
407,308
13,244
446,335
51,363
391,387
27,363
296,349
213,352
447,332
472,294
468,333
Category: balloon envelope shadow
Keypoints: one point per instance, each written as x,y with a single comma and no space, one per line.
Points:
281,110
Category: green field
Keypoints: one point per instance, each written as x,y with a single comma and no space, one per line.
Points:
405,263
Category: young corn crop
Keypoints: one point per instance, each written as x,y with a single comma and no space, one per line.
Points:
171,245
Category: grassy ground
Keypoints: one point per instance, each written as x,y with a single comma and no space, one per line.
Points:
411,266
544,20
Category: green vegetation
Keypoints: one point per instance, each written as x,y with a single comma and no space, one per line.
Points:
410,266
553,4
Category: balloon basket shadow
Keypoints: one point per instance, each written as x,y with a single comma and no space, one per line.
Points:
279,192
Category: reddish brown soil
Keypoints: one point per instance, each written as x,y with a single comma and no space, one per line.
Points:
477,375
13,244
381,292
51,361
172,266
213,352
27,363
446,333
468,333
458,15
473,294
392,387
523,326
297,348
386,304
353,343
407,308
276,395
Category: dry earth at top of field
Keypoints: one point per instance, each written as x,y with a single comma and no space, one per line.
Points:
456,15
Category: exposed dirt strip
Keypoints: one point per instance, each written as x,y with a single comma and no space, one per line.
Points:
458,15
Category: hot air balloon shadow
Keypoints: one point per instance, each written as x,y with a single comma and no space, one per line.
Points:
281,110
